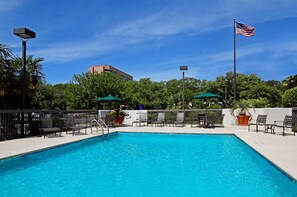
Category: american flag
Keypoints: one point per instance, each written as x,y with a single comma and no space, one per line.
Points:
247,31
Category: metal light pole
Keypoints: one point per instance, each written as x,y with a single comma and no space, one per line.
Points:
183,69
25,34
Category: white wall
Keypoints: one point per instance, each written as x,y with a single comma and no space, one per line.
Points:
273,114
131,115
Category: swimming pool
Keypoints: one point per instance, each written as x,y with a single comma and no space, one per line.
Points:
142,164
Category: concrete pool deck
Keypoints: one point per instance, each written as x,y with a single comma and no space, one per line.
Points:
280,150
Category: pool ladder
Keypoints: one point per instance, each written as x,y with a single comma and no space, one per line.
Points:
99,124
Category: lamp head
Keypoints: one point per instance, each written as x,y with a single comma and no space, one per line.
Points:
183,68
24,33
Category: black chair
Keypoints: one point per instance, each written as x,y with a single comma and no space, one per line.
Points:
200,121
214,120
160,120
260,121
76,123
108,120
180,119
142,118
288,122
47,127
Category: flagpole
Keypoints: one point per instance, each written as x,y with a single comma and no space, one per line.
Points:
234,82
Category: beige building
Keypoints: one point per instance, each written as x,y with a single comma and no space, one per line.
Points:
108,68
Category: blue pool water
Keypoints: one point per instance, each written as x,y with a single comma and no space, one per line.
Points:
129,164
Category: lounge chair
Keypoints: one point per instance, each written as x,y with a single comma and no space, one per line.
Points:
75,124
142,118
260,121
180,119
288,122
160,120
47,127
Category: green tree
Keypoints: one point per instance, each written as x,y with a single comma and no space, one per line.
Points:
86,87
290,98
147,93
173,94
34,76
43,97
274,83
290,82
11,78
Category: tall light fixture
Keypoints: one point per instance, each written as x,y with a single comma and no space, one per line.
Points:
25,34
183,69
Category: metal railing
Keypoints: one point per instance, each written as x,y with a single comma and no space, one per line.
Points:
23,123
99,123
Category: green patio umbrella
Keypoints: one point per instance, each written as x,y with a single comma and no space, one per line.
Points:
109,99
206,96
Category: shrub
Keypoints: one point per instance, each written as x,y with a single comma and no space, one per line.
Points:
289,98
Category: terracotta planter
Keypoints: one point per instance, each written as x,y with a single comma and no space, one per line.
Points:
118,121
243,120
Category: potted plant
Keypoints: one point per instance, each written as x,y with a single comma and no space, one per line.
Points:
244,115
119,116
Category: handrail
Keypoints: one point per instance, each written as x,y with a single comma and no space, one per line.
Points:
101,124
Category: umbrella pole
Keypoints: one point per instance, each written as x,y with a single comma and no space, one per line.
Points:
109,105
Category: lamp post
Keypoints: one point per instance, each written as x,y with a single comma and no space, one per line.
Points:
183,69
226,83
25,34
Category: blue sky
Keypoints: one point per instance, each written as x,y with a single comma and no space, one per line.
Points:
153,38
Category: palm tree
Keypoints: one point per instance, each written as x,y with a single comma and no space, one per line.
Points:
34,73
243,106
5,52
244,115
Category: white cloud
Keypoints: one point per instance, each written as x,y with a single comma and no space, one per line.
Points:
178,17
66,52
209,65
199,17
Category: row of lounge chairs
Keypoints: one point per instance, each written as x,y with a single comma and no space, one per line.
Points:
70,123
289,122
202,120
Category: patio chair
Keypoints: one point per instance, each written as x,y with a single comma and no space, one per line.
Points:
260,121
75,124
47,127
142,118
180,119
108,120
160,120
288,122
200,121
215,120
209,121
